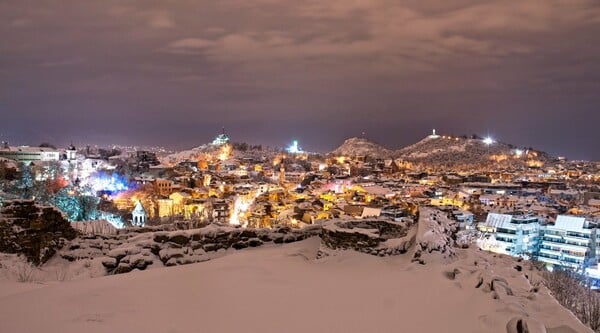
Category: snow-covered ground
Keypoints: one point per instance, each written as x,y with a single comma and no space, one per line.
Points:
284,289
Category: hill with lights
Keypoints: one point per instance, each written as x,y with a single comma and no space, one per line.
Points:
221,152
362,147
203,152
453,151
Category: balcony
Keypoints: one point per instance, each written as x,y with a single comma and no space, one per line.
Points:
563,245
550,252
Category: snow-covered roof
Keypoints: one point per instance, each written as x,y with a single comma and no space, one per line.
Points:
378,190
498,220
594,202
570,223
139,209
28,149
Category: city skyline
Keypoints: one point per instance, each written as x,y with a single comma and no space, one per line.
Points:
172,74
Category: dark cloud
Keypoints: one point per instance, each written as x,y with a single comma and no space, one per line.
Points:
174,72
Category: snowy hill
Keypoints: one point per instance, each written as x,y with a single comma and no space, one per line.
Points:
361,146
206,152
193,154
456,151
284,289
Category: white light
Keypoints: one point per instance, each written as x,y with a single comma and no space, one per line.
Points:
518,152
488,141
294,149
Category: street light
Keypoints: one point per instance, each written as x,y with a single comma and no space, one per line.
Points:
488,141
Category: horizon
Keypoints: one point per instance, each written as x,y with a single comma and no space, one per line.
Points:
284,145
172,74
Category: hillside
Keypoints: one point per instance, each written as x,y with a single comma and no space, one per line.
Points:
284,289
461,151
194,154
361,146
209,151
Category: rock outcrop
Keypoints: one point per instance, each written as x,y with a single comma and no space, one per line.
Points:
435,235
124,252
35,231
372,236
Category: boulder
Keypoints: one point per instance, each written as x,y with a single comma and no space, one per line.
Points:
525,325
122,268
109,263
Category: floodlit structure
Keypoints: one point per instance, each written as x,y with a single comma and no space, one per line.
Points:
515,235
221,139
434,135
138,214
569,243
294,148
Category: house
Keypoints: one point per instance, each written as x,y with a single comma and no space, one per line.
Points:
179,199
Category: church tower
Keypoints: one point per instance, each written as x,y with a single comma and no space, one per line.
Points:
71,153
139,214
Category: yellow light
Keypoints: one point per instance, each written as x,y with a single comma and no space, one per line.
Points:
225,152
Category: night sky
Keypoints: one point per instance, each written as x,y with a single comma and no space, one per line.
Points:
172,73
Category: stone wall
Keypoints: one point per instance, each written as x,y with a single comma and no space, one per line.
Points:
35,231
137,250
373,236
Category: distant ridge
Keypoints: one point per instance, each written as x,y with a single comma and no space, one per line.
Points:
450,151
453,151
362,147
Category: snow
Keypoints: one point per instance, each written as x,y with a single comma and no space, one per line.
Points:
283,289
98,227
361,146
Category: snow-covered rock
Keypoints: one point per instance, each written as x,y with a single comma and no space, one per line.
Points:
434,235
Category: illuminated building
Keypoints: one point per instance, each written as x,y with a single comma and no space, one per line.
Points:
221,211
568,243
139,214
221,139
195,210
180,199
516,235
71,154
28,155
163,186
165,207
294,149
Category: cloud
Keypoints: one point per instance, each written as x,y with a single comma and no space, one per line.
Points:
362,61
188,45
159,19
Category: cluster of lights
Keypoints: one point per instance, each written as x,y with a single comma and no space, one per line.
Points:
294,148
103,182
240,207
225,152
